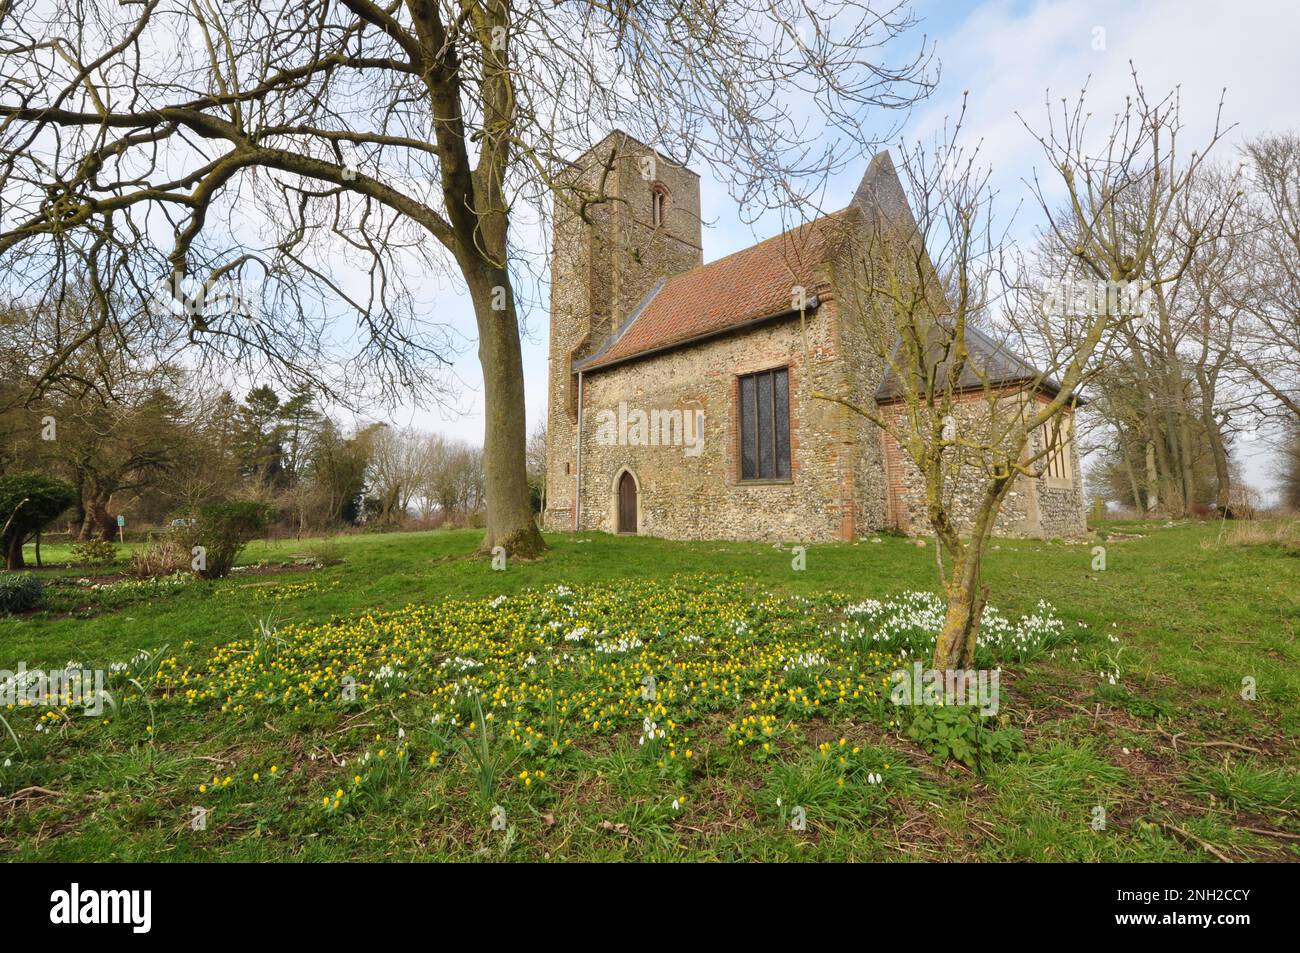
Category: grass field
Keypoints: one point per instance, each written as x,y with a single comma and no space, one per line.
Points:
627,698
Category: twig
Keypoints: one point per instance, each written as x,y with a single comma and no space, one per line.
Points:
30,792
1225,744
1260,830
1202,843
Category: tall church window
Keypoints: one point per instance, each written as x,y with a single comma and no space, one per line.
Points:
765,425
658,205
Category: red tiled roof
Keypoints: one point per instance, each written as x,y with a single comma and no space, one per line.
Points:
746,286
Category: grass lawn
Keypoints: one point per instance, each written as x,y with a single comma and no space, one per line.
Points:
627,698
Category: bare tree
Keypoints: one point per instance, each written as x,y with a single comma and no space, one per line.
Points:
397,470
1166,398
1270,346
537,463
453,479
926,282
1289,468
307,154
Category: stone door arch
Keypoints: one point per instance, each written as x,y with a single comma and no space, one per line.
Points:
627,503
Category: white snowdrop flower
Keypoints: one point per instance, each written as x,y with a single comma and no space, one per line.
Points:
676,805
619,646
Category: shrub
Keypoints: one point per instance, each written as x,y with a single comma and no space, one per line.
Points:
93,553
326,552
20,592
28,502
222,530
1283,533
161,557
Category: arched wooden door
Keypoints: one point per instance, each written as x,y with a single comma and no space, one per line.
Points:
626,503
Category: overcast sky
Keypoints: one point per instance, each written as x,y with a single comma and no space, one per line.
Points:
1008,54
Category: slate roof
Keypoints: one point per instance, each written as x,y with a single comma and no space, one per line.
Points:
988,362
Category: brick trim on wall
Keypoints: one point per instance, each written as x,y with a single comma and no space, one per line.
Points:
733,410
895,506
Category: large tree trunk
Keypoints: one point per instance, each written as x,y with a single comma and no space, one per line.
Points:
1147,379
1185,463
1177,420
1153,480
98,523
1213,432
14,552
1138,502
510,522
1222,474
955,649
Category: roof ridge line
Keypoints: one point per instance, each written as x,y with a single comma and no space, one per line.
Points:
764,241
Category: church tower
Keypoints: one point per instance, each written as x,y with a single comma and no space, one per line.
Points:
627,218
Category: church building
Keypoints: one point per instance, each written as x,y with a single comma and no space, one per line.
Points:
679,400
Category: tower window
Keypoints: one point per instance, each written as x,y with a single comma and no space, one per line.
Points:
658,204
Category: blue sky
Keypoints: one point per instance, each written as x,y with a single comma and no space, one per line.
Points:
1007,54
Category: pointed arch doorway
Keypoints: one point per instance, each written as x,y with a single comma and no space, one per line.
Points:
626,497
